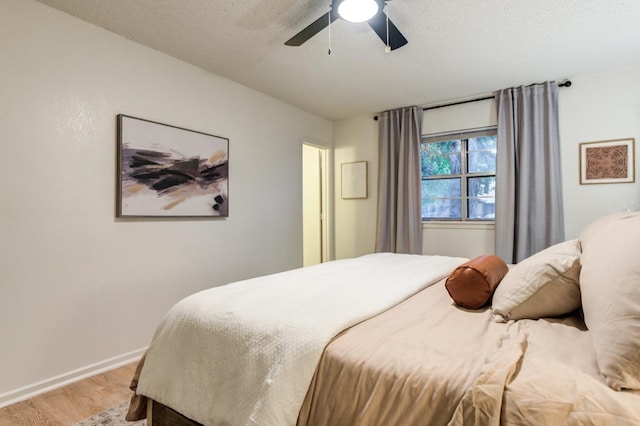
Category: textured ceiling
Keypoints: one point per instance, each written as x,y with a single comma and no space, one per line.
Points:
457,48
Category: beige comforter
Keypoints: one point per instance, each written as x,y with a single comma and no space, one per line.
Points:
427,362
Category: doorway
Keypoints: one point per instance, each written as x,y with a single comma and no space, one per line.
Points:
314,204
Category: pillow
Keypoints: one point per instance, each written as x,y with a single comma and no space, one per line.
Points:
543,285
610,284
471,284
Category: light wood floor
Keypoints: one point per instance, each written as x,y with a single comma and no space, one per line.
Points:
72,403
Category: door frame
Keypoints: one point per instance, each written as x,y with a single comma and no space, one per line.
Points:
327,251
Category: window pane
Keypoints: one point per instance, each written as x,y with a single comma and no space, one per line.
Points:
441,158
481,186
441,188
441,208
482,154
441,199
445,161
482,162
483,143
482,208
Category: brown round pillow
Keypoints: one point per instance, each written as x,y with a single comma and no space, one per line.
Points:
472,284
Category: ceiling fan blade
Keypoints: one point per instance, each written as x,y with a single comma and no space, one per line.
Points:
379,24
313,29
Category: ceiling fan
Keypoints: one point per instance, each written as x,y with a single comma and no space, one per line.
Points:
370,11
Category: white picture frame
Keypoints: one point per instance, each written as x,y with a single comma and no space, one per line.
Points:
354,180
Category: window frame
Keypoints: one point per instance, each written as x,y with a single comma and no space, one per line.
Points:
464,176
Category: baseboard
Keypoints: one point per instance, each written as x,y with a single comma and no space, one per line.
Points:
38,388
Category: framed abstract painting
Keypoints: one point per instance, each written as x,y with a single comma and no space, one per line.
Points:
168,171
609,161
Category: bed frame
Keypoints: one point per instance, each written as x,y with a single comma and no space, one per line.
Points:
161,415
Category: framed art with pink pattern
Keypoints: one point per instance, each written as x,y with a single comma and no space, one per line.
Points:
609,161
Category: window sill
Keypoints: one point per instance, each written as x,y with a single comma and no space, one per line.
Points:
444,224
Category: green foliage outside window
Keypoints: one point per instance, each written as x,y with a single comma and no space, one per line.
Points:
458,178
440,158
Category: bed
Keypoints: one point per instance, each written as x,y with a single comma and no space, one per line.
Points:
399,348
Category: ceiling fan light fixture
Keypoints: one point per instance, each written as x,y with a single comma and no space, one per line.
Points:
357,10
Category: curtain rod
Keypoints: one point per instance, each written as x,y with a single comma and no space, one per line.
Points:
566,83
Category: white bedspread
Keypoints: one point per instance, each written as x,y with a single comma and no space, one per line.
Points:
245,353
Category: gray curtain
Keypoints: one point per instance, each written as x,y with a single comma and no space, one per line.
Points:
399,227
529,210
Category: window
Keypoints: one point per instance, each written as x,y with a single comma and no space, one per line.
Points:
459,176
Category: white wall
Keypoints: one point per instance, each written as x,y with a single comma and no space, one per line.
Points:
78,287
355,219
596,107
471,115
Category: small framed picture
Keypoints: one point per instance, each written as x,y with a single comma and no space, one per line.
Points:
354,180
609,161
